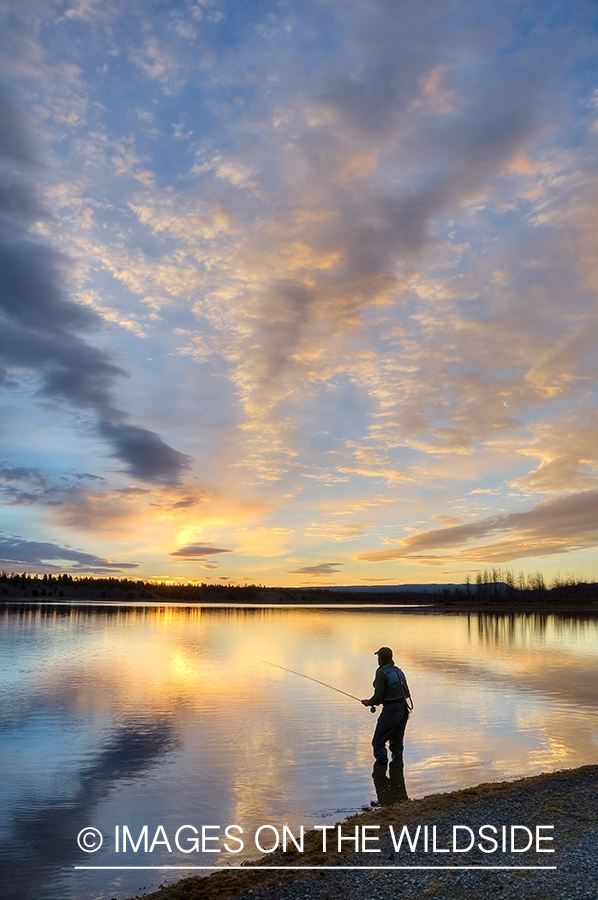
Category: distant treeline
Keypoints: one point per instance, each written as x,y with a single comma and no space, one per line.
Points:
502,584
491,586
65,586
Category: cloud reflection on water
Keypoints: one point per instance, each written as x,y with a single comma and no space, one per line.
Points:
39,839
167,715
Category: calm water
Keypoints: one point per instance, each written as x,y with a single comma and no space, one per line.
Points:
168,716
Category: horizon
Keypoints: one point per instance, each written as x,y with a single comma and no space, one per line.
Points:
298,293
498,578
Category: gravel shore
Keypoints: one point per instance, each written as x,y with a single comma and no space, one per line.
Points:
564,800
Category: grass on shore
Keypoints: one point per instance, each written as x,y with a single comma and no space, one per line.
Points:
550,794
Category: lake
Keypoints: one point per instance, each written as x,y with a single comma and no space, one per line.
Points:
120,717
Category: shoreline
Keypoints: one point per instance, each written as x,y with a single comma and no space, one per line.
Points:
562,802
421,606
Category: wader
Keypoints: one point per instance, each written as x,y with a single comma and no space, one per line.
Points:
390,728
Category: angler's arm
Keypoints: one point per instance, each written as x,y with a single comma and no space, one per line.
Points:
379,690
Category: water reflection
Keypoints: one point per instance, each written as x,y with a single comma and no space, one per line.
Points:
389,785
518,629
166,716
38,843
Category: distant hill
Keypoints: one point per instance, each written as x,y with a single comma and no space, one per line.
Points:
498,586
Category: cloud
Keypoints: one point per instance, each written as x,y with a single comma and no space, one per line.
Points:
567,450
197,551
338,209
84,9
77,507
559,525
370,463
155,59
331,568
372,257
40,327
289,245
68,501
21,485
148,456
17,143
23,473
338,531
19,552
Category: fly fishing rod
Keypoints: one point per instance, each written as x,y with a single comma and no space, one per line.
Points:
309,678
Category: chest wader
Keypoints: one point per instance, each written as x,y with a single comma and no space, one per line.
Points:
392,721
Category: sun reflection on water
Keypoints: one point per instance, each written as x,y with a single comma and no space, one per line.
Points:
170,714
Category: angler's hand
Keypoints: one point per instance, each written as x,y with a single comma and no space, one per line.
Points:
365,702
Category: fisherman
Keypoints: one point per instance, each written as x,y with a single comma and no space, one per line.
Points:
390,690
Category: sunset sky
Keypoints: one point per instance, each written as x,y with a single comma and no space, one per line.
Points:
299,292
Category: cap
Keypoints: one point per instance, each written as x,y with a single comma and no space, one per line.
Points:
383,651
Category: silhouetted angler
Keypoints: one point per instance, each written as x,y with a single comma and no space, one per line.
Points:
392,692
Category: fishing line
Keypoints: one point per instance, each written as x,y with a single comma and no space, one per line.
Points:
233,741
248,710
309,678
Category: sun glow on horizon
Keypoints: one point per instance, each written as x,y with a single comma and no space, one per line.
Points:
298,295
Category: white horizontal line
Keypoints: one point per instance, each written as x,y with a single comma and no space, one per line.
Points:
270,868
